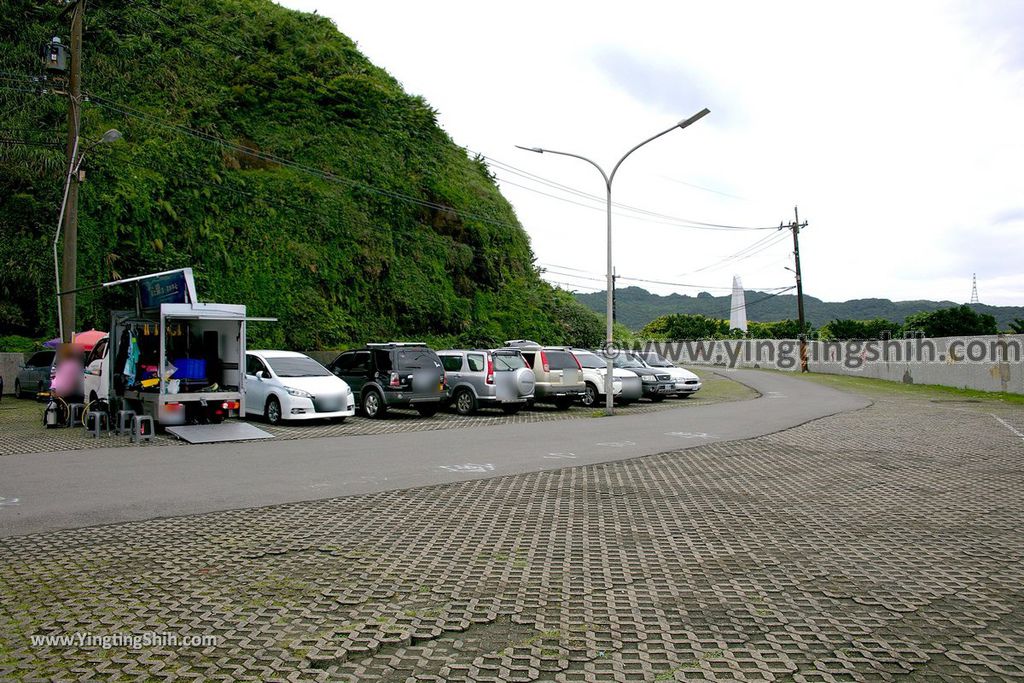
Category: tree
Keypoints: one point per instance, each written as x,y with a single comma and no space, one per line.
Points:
1017,326
955,321
681,326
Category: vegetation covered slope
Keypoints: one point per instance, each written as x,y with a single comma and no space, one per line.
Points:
261,148
637,307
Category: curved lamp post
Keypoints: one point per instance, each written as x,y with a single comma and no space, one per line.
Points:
74,167
608,179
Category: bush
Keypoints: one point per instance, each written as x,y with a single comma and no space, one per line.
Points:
956,321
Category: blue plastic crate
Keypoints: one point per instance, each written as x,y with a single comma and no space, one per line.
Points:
189,368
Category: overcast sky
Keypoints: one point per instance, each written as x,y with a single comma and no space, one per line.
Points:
898,129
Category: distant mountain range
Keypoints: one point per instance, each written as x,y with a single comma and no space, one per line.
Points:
635,307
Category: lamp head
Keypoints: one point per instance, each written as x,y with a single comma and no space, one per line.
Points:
112,135
538,150
695,118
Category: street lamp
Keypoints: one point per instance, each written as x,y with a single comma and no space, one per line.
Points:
608,178
74,167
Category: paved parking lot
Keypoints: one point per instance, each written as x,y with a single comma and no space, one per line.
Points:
21,429
881,544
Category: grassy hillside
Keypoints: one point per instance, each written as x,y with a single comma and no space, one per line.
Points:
636,307
261,148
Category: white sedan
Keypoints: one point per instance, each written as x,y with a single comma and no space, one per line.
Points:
284,385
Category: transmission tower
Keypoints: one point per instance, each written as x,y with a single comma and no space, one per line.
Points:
974,289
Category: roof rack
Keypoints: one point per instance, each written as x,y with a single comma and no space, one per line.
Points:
381,345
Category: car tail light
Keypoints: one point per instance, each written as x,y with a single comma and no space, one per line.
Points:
229,405
544,361
578,365
173,406
396,381
490,370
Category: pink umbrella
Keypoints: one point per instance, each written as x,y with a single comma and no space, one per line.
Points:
87,340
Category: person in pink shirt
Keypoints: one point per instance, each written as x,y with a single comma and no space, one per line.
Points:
68,377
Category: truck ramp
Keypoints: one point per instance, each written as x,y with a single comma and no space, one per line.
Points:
226,431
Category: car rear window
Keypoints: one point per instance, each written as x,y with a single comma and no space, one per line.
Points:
561,360
589,360
41,359
506,362
417,359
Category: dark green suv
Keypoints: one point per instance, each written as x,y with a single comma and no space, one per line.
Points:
394,375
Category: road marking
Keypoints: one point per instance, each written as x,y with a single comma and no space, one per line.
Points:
617,444
469,467
560,456
691,435
775,394
1001,421
9,501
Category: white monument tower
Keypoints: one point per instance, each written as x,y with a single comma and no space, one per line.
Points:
738,311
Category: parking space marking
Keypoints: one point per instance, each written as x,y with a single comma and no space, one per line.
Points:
691,435
469,467
1008,426
9,502
617,444
560,456
775,394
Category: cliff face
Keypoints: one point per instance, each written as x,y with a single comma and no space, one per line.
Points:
261,148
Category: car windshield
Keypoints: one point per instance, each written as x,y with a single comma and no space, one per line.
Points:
590,360
295,366
656,361
504,362
625,361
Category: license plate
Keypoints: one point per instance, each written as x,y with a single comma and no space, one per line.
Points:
440,386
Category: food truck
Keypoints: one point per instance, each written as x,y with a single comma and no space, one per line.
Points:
173,358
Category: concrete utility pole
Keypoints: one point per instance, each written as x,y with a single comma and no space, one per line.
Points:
795,227
69,276
615,277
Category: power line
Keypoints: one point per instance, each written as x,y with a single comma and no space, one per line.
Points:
549,268
509,168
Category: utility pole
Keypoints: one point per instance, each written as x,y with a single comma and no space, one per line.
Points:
69,276
614,278
795,227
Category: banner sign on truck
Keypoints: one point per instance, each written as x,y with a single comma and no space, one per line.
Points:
166,288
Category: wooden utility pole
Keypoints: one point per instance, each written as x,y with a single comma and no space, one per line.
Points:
795,227
69,275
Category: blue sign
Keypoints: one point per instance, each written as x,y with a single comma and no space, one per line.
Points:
169,288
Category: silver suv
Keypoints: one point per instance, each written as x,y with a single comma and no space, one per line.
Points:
481,378
559,375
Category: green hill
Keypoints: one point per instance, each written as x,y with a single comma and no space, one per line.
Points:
635,307
261,148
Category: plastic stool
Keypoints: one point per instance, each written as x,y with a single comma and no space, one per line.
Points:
142,428
97,422
75,411
124,421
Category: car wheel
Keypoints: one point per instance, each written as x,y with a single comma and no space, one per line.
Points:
465,402
373,405
512,408
272,411
429,409
656,398
563,403
589,395
17,388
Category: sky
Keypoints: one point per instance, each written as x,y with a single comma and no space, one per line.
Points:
896,128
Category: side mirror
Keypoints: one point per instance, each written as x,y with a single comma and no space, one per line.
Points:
260,375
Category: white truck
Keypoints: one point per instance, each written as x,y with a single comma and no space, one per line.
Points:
177,360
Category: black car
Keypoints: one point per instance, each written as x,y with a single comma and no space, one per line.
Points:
656,382
394,375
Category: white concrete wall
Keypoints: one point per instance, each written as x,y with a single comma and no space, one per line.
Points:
1003,371
10,363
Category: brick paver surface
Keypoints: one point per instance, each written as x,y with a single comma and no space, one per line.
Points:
881,544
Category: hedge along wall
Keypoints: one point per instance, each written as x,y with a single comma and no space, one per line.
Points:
986,363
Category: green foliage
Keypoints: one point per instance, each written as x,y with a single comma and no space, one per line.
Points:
637,307
1017,326
330,248
679,326
952,322
876,328
17,344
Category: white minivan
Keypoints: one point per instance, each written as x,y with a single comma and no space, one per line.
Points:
284,385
